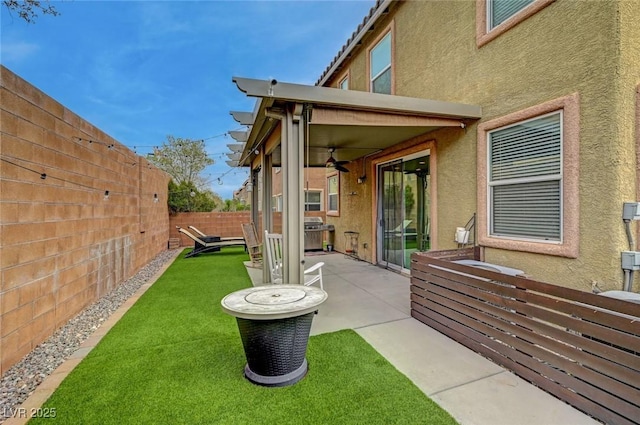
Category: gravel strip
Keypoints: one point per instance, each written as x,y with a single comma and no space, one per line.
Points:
21,380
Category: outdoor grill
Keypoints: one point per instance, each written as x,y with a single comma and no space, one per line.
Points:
313,231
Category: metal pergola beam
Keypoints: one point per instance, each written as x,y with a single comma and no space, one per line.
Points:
236,147
354,99
239,136
243,118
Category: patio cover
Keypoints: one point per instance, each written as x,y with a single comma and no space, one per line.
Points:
292,126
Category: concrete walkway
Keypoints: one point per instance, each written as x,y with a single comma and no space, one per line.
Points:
476,391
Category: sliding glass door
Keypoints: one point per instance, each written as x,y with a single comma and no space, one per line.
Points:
403,210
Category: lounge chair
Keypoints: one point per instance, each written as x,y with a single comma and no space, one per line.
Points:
273,243
209,238
210,243
198,231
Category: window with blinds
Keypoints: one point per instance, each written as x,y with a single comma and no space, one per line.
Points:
499,11
525,179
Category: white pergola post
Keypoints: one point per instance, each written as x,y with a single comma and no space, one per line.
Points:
292,143
255,197
267,210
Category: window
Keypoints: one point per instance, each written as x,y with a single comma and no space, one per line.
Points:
380,66
499,11
313,200
344,83
525,179
528,175
277,203
495,17
333,194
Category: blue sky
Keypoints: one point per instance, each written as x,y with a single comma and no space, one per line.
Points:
142,70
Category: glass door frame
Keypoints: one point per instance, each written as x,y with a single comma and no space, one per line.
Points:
389,238
381,258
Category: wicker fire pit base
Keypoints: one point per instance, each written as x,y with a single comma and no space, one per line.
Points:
274,323
275,349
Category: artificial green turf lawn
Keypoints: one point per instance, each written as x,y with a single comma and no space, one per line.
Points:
175,357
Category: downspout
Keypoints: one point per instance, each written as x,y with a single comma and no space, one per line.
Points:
628,279
628,274
627,227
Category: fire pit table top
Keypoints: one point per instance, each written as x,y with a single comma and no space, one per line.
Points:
270,302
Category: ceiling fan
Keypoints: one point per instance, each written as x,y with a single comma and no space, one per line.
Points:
332,163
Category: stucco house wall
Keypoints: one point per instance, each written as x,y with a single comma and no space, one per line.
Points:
584,50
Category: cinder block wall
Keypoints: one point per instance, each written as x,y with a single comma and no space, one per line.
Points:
223,224
63,244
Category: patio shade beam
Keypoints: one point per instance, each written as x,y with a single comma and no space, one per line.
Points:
236,147
239,136
335,116
243,118
353,99
260,129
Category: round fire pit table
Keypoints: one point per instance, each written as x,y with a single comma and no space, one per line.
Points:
274,323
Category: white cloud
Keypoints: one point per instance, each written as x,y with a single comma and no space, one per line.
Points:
18,51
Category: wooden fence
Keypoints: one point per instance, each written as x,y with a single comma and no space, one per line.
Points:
581,347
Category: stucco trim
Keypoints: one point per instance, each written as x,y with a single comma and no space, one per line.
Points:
389,29
483,37
569,247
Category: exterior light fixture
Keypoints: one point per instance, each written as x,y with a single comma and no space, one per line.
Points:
155,197
106,195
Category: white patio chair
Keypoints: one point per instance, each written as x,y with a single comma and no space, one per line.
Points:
273,244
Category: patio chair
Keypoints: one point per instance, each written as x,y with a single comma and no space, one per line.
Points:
254,247
273,244
209,243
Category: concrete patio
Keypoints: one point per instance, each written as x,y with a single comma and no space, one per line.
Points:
375,302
